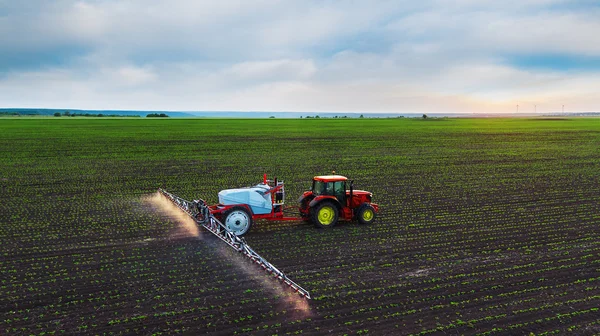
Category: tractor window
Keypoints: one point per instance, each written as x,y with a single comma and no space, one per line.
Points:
329,188
340,191
339,188
318,188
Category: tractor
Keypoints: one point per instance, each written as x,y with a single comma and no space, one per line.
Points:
331,198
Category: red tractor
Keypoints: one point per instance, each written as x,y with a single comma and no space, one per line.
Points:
331,198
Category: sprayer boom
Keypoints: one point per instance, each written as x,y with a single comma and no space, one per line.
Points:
200,212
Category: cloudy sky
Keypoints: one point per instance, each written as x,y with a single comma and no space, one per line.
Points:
269,55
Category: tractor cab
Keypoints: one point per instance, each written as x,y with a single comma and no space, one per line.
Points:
331,185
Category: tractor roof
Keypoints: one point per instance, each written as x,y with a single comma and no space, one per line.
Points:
331,178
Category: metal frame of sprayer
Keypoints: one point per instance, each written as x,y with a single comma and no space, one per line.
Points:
200,212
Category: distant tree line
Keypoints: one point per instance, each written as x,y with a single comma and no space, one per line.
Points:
19,113
363,116
318,117
73,114
157,115
334,117
48,112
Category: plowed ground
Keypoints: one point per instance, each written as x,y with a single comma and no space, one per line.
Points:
486,227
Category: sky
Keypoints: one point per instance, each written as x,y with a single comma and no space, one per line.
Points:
436,56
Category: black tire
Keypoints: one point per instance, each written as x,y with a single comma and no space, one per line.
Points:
365,214
238,220
325,215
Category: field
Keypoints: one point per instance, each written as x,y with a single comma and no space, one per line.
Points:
487,226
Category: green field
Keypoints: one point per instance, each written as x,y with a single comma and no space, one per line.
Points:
487,226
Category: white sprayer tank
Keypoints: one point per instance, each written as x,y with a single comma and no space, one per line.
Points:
257,197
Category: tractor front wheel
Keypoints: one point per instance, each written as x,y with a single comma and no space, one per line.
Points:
365,214
238,220
325,215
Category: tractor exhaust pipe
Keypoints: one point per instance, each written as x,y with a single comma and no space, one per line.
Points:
351,191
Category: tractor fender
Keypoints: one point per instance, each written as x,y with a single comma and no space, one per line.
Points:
318,200
304,195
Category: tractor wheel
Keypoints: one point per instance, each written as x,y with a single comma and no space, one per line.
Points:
238,220
365,214
325,215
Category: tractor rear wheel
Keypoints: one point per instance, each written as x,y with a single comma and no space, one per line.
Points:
325,215
238,220
365,214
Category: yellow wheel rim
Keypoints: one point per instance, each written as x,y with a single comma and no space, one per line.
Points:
368,215
326,215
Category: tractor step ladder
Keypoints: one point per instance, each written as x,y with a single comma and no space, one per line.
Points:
200,212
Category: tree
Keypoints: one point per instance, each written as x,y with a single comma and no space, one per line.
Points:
57,114
424,116
361,116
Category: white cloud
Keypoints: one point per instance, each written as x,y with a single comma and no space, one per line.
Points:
85,21
575,34
132,76
275,70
